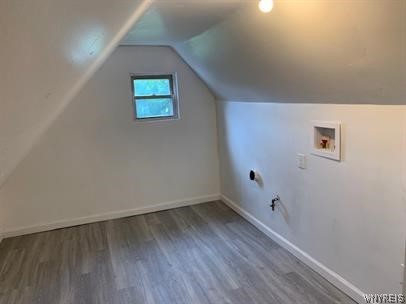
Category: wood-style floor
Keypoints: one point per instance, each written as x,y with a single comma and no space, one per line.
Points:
200,254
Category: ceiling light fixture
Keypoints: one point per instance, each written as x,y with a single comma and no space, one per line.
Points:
265,6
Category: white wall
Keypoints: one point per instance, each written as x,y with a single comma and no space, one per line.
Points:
350,215
96,159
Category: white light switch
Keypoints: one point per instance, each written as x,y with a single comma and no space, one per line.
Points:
301,161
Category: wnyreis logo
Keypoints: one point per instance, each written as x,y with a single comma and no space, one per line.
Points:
384,298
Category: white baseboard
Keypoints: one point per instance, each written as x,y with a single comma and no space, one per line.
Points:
348,288
108,216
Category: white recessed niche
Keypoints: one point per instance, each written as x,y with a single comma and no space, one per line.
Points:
326,139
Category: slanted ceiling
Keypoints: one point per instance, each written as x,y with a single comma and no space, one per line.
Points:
49,49
303,51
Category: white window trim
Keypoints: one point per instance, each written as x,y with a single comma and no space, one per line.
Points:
175,98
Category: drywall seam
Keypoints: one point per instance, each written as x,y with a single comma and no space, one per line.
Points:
109,215
334,278
111,46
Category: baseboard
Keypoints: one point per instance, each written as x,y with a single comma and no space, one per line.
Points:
348,288
108,216
327,273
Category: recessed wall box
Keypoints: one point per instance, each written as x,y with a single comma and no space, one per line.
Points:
326,139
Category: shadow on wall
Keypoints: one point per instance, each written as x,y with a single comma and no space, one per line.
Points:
29,112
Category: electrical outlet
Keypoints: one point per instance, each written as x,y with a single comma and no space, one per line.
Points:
301,161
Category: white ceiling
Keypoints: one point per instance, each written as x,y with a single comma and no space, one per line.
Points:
315,51
172,21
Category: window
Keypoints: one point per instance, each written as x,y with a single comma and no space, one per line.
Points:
154,97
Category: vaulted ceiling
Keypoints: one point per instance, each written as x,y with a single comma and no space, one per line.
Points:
176,21
303,51
49,49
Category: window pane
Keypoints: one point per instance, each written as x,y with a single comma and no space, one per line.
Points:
150,87
150,108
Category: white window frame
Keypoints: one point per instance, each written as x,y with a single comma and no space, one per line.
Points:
174,95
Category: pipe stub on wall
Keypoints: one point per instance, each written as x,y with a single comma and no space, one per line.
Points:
253,175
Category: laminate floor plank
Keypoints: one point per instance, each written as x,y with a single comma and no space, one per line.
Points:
202,254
